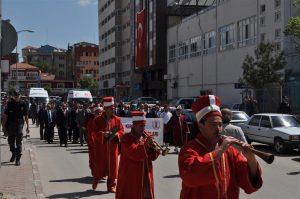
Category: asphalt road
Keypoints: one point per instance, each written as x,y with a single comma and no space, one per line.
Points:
65,174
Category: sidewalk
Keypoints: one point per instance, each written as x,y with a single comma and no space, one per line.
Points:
19,182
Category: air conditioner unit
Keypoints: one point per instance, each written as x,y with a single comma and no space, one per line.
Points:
167,76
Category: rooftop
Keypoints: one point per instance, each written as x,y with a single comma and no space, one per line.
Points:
23,66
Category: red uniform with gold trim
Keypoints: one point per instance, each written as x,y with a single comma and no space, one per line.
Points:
135,179
205,175
106,153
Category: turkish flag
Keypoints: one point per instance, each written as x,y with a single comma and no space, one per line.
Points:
141,44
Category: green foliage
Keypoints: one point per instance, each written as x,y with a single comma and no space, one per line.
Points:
48,89
263,68
44,67
293,28
90,84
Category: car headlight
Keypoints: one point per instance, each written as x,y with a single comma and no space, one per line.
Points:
294,137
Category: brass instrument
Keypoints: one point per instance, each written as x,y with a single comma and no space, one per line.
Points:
156,145
267,157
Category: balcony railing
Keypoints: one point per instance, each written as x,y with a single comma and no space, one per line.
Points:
23,78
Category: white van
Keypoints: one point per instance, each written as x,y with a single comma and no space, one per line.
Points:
39,95
79,96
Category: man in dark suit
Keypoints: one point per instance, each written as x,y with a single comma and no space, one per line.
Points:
49,120
62,124
41,121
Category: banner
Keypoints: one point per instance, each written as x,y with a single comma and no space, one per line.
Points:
141,43
154,126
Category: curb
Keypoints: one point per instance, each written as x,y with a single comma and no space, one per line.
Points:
35,171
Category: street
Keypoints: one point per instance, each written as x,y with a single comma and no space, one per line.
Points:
65,173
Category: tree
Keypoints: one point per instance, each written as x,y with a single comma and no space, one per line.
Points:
90,84
263,68
48,89
293,28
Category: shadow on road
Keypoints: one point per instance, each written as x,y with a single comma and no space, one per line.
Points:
172,176
76,152
294,173
296,159
83,180
87,193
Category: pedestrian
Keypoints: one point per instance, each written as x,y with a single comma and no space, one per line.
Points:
33,112
210,166
41,119
230,129
284,106
14,116
74,124
166,115
135,179
49,120
178,128
108,131
80,119
89,125
62,125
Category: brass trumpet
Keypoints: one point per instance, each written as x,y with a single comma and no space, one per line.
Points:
157,146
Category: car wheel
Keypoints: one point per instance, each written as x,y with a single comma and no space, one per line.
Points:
279,146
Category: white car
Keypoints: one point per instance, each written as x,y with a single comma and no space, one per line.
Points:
280,130
239,117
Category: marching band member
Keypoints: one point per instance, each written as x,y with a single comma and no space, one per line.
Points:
135,179
108,130
210,167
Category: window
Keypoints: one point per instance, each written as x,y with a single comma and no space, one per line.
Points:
277,16
265,122
61,74
61,65
61,57
277,33
209,42
262,9
262,21
277,3
278,46
183,50
227,37
262,37
247,31
195,46
86,54
255,121
60,85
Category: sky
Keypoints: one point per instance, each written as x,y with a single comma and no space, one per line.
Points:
54,22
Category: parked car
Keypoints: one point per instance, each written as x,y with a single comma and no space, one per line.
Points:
236,107
279,130
185,102
148,100
239,117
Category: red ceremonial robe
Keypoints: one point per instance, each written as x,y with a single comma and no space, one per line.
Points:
205,175
179,129
106,153
135,179
90,135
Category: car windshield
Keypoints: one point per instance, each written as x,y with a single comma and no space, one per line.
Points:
239,116
285,121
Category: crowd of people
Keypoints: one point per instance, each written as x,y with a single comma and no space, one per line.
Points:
209,165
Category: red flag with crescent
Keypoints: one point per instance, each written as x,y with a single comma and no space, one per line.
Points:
141,53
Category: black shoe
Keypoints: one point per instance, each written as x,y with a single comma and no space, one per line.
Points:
66,145
18,161
13,158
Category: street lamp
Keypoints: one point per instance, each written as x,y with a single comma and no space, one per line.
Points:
17,72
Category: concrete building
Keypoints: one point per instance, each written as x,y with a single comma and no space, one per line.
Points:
206,50
49,58
117,75
86,60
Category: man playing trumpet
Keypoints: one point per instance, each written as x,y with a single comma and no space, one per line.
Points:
210,167
135,179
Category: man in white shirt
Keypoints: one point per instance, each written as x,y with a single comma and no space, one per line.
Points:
230,129
166,115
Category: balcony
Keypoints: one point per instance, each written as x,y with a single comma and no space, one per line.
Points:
24,78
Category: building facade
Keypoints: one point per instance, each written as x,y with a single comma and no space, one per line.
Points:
86,60
206,50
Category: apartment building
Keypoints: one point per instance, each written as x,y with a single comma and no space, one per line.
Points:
116,72
49,58
206,50
86,60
